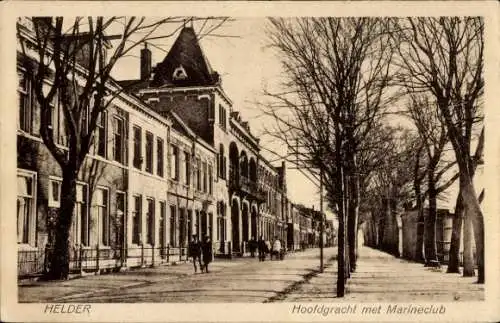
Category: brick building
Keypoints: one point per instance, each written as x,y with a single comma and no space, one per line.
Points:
171,157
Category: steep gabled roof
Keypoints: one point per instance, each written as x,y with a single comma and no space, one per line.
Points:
187,60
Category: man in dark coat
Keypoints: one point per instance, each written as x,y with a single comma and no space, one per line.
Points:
252,245
194,251
206,250
262,247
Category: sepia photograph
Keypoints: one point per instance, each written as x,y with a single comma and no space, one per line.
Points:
332,163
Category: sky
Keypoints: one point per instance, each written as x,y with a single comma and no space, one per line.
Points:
246,66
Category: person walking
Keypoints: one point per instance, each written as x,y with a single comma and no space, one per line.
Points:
252,245
276,248
194,251
206,250
261,247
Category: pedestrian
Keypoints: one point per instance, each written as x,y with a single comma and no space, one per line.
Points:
252,245
194,251
268,248
276,248
206,250
261,247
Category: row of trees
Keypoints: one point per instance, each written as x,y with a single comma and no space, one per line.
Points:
351,85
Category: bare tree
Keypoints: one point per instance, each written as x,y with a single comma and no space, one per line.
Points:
76,57
337,72
434,138
444,57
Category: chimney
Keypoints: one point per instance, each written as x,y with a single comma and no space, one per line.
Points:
145,63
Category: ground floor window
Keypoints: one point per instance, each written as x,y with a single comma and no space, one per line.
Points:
150,221
101,213
172,225
136,219
162,228
26,205
80,223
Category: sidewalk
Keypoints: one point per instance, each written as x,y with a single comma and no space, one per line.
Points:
175,279
383,278
53,291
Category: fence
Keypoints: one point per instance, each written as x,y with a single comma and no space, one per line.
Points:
35,262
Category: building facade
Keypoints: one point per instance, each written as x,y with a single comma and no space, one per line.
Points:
171,157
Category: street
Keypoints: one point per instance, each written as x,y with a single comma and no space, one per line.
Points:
381,277
237,280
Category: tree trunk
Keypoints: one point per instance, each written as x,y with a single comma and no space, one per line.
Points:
352,223
431,259
341,274
474,213
59,256
456,234
467,255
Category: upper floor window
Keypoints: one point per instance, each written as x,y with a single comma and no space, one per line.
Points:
100,135
25,106
198,174
210,180
222,162
174,163
187,167
137,147
118,139
222,117
159,152
205,177
149,152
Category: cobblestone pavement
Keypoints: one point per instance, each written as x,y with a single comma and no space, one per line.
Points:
237,280
383,278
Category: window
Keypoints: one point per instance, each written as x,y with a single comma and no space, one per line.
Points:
150,221
172,226
162,228
205,177
189,223
210,179
182,227
102,213
137,147
149,152
198,174
136,220
54,193
26,184
222,165
118,138
25,106
222,117
187,168
53,115
100,135
159,156
81,217
121,202
179,73
174,163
